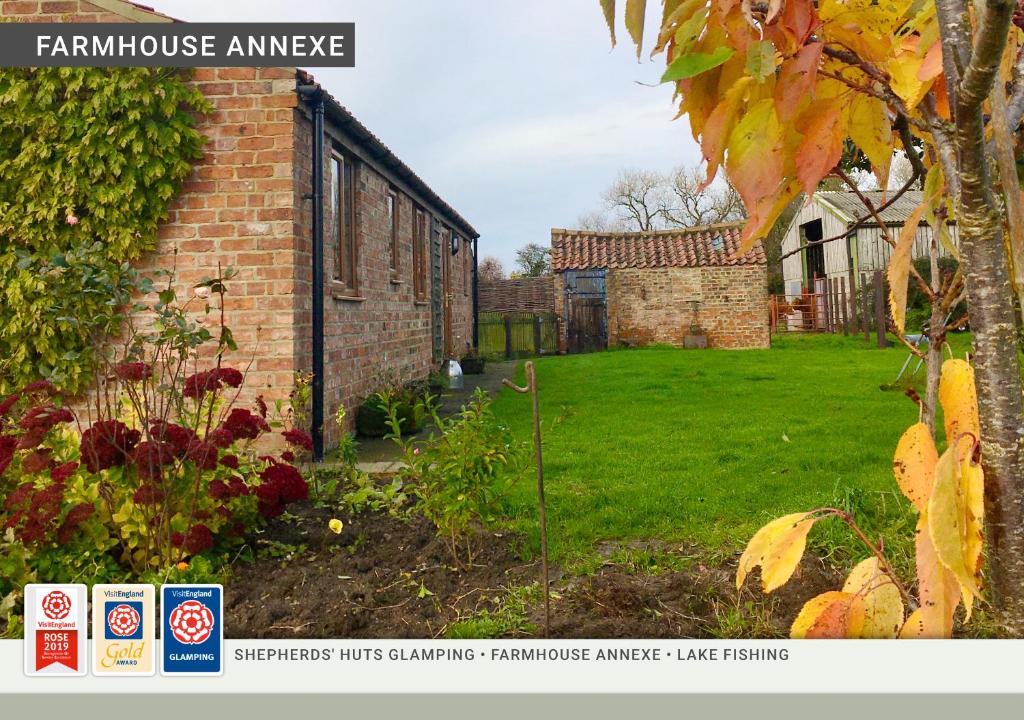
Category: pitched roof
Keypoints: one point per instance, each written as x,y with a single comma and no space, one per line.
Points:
850,208
346,121
708,246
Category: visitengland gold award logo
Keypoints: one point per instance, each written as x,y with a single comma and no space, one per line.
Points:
124,629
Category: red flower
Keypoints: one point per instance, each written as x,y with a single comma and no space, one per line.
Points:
149,456
133,371
181,438
63,472
290,485
203,454
20,495
39,386
242,424
299,438
7,447
238,486
75,517
36,461
221,437
219,490
199,384
288,456
7,403
229,461
198,539
44,418
230,377
107,444
148,494
46,503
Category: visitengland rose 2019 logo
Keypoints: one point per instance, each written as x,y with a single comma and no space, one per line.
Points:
191,622
56,605
123,620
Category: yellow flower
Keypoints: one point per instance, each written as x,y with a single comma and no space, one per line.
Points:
335,526
182,566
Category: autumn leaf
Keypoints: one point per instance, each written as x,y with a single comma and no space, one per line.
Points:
776,548
691,64
822,145
899,268
947,511
608,7
755,160
761,60
831,615
959,400
937,588
635,12
720,124
883,605
797,76
914,464
867,122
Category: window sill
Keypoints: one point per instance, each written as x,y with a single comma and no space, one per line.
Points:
342,292
421,303
397,281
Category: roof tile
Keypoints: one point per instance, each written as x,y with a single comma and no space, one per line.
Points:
709,246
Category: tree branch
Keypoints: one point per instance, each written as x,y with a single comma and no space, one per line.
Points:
989,41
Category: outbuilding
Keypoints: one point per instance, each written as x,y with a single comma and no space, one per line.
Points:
641,288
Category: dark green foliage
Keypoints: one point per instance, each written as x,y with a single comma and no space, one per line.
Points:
90,159
372,418
919,310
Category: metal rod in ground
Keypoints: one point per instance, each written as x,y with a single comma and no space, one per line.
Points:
531,387
865,315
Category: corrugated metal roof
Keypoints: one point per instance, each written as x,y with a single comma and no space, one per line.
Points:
850,207
709,246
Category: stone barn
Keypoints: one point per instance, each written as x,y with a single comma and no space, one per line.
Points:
641,288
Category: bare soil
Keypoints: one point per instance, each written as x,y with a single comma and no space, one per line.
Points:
384,577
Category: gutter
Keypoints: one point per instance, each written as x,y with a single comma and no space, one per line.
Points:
315,97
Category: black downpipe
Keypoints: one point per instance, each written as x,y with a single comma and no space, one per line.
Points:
316,95
476,296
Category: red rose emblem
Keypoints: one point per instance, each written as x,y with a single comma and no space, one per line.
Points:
191,622
123,620
56,605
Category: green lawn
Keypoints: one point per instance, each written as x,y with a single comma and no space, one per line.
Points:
705,446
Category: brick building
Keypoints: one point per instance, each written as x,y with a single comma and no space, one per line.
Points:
396,296
639,288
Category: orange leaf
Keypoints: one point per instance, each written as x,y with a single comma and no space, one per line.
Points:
720,124
822,145
959,399
755,161
899,267
796,80
938,589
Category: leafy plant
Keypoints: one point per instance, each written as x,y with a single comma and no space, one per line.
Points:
459,475
165,469
947,491
90,159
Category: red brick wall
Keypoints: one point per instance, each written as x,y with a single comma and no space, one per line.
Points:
382,336
655,305
237,209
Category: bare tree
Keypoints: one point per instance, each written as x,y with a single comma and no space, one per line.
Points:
491,268
637,198
598,221
687,203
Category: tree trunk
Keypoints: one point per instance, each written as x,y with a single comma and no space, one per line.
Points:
936,337
990,300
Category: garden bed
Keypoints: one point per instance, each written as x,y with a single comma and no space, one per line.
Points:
384,577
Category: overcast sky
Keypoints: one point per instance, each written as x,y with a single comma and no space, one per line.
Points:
516,112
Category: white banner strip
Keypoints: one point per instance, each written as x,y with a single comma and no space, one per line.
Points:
573,666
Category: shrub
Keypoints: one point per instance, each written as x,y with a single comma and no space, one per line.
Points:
460,476
164,467
412,406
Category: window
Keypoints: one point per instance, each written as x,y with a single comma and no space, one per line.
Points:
343,221
420,255
392,203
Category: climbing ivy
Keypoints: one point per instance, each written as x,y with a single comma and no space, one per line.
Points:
90,159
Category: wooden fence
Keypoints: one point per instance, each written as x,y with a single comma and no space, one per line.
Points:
517,334
834,307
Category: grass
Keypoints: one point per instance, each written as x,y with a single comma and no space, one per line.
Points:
703,448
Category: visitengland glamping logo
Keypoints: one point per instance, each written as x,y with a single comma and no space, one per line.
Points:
55,629
124,629
192,629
